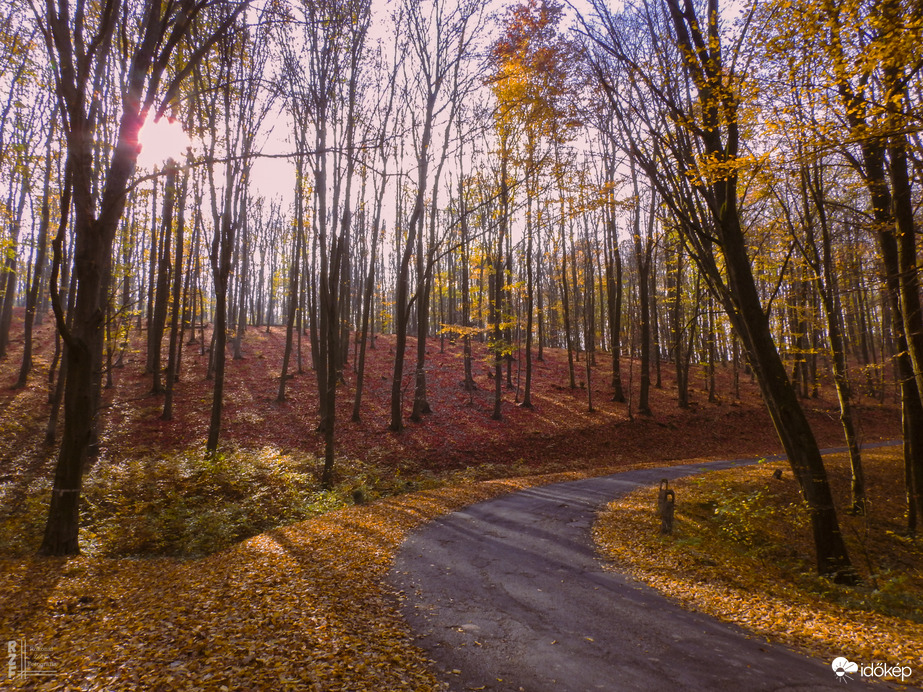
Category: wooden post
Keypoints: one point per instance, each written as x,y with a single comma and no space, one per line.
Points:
666,502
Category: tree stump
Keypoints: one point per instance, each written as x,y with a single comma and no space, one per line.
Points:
666,502
662,496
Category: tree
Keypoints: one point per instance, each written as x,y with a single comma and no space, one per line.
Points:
323,92
529,84
879,124
176,294
644,251
344,39
856,63
229,85
438,41
158,322
459,86
27,122
380,173
699,138
81,43
613,258
297,104
41,255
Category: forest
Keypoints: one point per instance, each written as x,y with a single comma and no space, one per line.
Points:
724,193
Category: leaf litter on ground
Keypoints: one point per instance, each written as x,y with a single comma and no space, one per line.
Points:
303,607
741,551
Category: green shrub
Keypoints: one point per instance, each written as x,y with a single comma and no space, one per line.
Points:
191,504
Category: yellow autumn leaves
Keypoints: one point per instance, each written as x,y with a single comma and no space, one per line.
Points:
303,607
735,555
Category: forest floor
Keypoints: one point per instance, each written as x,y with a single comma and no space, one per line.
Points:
151,491
305,603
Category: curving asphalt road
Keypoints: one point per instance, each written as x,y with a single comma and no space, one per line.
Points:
509,595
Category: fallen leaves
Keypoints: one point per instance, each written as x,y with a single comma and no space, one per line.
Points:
745,569
304,607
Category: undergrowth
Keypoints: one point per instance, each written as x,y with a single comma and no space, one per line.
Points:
190,504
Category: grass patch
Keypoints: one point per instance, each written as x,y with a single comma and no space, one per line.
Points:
741,551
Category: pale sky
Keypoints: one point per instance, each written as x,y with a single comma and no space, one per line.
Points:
274,177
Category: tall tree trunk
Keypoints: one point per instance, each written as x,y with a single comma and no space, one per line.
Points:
157,325
8,275
271,300
468,382
643,251
222,249
151,277
293,284
826,285
530,283
402,305
540,307
421,405
367,295
32,300
614,302
497,302
677,320
241,327
176,342
568,337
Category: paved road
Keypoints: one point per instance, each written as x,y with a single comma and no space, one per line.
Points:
508,595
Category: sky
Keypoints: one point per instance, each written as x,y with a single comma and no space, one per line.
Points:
160,141
274,177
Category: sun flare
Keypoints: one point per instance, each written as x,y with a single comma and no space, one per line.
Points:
161,141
